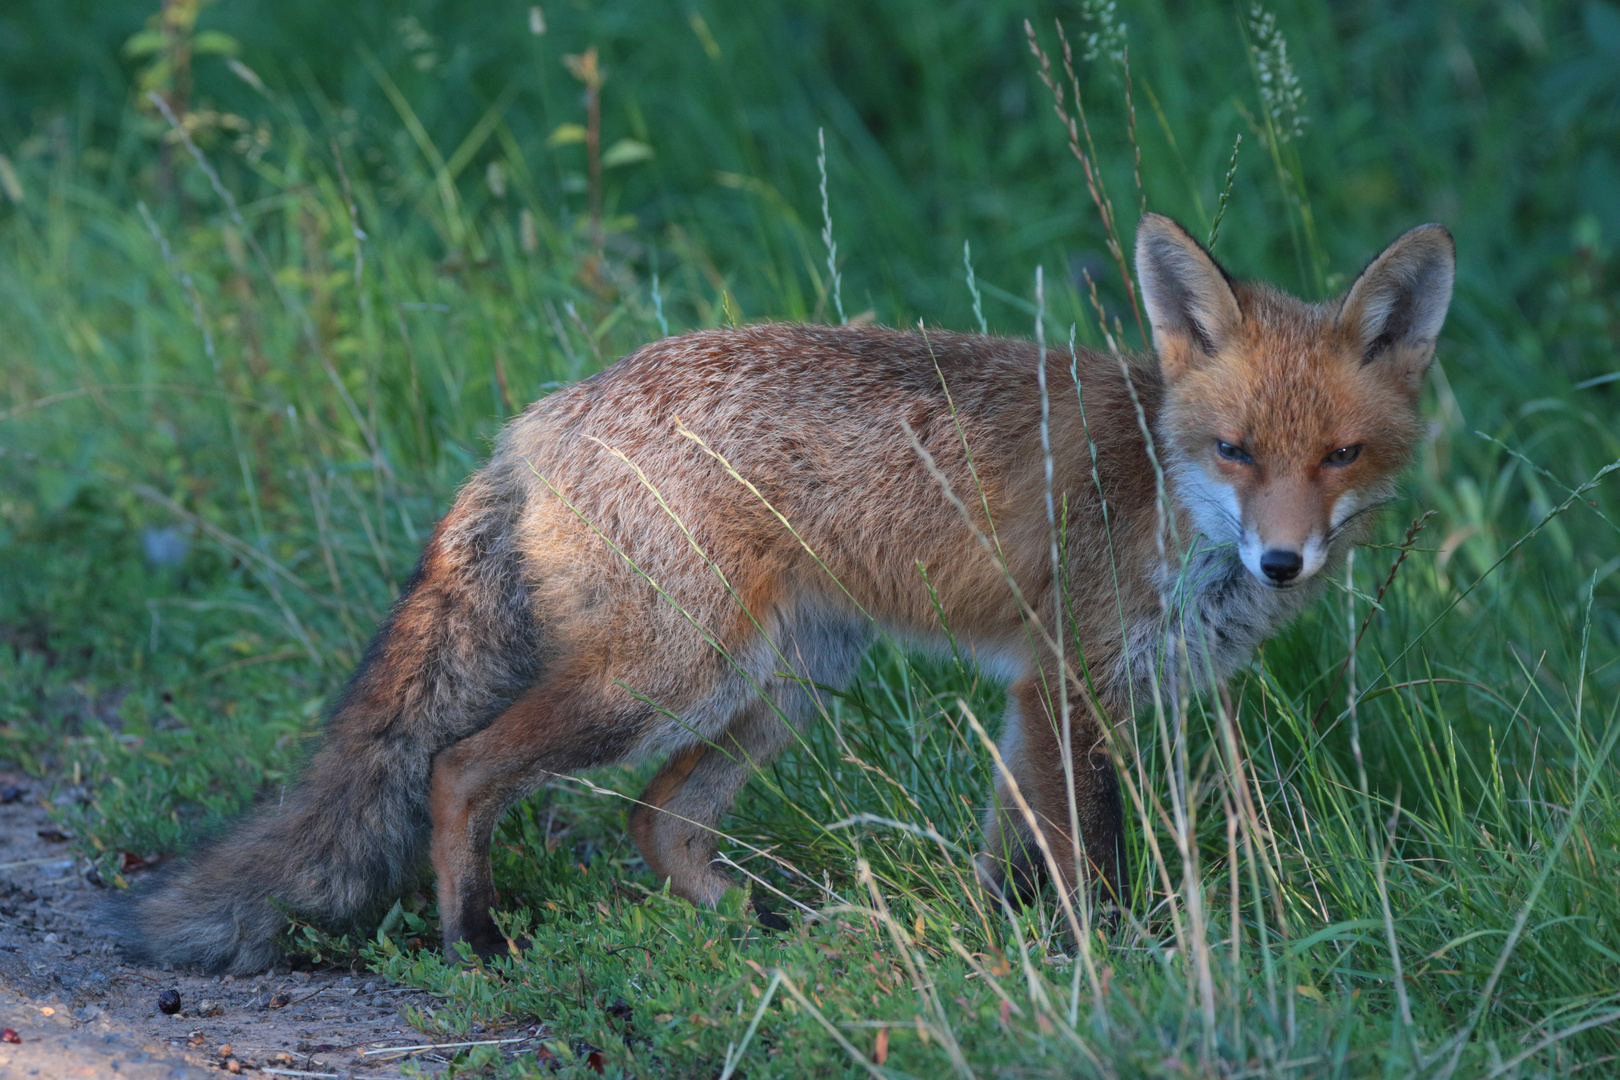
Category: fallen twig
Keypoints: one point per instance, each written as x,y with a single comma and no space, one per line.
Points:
442,1046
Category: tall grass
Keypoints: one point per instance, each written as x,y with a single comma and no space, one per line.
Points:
234,407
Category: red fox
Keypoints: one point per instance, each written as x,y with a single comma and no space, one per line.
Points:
675,555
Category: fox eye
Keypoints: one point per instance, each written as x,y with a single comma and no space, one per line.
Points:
1232,452
1344,455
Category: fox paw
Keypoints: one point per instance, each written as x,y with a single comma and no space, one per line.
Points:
769,919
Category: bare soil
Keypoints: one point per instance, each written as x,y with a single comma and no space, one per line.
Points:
79,1010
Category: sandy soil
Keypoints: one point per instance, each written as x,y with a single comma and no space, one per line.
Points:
78,1010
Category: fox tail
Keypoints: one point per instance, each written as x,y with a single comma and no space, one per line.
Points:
459,645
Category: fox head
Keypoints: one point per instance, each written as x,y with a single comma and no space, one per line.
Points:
1284,422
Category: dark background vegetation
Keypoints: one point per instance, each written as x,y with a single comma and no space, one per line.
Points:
1500,119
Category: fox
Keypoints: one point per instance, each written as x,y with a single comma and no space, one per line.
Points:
679,555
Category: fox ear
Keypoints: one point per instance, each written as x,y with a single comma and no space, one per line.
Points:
1189,298
1394,310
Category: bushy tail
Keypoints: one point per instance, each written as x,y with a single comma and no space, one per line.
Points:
459,645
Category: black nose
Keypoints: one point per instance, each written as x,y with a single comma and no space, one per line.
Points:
1280,565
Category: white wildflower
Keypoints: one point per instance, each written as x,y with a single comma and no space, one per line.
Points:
1106,34
1280,92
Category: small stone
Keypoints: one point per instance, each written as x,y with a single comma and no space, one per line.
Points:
208,1008
369,988
10,1036
280,1000
168,1002
51,939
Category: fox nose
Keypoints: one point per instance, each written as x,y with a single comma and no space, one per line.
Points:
1281,566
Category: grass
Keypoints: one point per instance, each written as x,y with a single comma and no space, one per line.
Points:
230,414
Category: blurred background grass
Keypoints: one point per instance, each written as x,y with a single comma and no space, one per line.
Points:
233,400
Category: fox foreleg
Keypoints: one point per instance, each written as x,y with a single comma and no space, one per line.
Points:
1033,754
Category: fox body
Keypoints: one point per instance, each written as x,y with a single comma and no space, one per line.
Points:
675,557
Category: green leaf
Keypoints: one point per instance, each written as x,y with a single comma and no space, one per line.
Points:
566,133
626,152
395,916
156,76
215,43
144,43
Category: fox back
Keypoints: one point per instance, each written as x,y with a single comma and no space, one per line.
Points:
678,555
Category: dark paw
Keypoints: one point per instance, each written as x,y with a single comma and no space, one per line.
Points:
501,946
768,919
484,942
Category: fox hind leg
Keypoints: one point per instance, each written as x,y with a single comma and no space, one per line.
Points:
675,825
559,726
476,780
676,820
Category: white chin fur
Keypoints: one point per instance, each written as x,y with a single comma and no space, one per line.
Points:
1212,504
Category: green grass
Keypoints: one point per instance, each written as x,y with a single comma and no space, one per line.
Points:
294,408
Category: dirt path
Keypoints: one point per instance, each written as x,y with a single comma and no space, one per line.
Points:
80,1011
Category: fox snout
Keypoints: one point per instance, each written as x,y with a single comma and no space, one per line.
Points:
1281,565
1287,526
